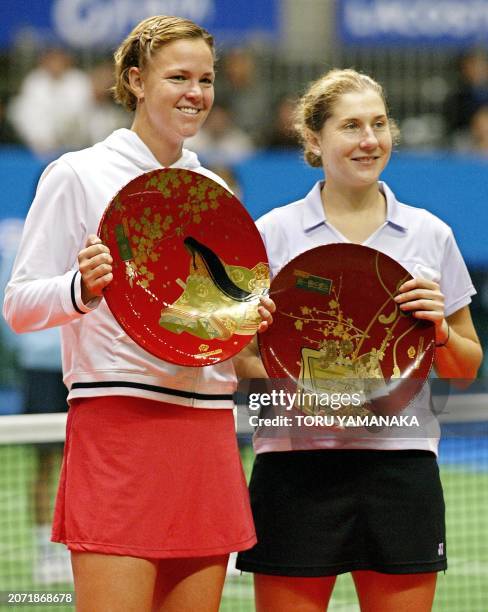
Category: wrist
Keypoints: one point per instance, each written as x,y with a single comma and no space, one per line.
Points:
86,296
444,338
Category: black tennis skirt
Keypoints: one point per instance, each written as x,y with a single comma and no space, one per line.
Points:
327,512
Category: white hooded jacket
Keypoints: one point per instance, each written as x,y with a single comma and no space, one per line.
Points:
45,288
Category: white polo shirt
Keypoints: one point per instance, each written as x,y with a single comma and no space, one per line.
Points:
418,240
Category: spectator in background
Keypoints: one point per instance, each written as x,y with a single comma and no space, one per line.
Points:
230,177
49,111
221,141
243,91
470,94
39,358
8,134
102,115
479,131
282,134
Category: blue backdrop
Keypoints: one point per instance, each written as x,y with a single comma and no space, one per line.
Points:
407,22
451,186
103,23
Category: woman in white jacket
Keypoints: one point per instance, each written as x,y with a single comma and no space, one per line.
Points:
152,496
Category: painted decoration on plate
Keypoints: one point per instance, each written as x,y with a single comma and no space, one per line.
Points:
338,329
189,267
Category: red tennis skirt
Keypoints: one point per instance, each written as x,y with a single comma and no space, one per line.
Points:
152,480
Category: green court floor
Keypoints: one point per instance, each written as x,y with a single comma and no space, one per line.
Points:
464,588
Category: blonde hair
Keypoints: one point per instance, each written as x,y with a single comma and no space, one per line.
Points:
143,42
317,105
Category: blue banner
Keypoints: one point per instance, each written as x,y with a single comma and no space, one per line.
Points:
406,22
104,23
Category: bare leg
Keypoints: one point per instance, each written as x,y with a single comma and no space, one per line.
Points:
113,583
186,585
290,594
393,592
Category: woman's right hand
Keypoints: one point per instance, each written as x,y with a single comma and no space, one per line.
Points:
95,265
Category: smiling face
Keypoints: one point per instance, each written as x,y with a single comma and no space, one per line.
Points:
174,92
355,142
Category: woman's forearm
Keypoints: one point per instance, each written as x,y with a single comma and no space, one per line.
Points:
459,358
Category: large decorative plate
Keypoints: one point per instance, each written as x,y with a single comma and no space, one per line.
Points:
338,329
189,267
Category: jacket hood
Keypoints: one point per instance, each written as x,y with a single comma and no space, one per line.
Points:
128,144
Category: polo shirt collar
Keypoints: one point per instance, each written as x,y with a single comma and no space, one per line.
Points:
394,213
314,214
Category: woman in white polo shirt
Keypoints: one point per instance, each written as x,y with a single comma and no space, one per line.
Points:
374,509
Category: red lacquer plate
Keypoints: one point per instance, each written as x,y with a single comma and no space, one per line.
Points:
189,267
338,329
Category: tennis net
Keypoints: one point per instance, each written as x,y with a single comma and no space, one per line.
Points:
25,440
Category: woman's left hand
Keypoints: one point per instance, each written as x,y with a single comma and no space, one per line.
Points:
425,300
266,309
